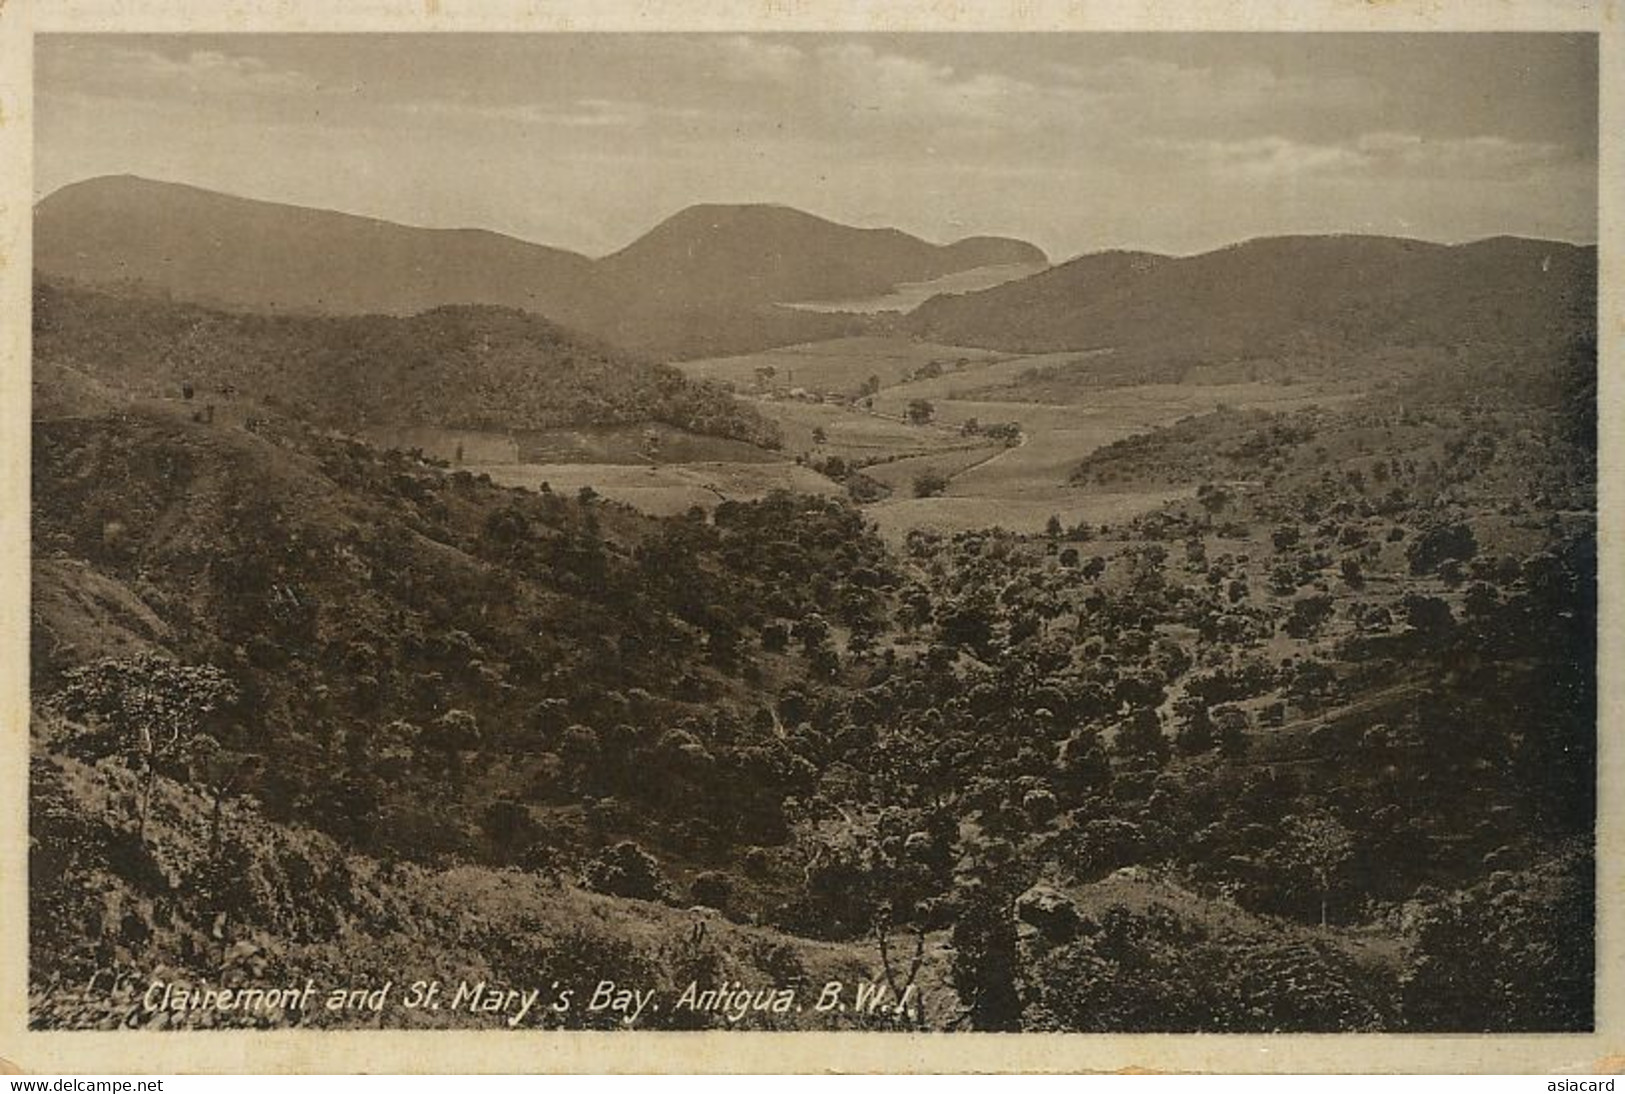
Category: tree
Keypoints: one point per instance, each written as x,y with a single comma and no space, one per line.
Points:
775,637
929,484
509,826
1440,543
451,734
1481,600
1232,725
1052,527
1309,615
1195,732
1141,737
1213,498
1317,842
1515,952
627,870
1082,769
920,411
819,436
986,965
148,709
712,889
225,773
1428,614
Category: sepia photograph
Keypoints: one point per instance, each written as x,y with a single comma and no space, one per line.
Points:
1057,532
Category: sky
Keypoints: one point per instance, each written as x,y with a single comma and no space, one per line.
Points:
1084,142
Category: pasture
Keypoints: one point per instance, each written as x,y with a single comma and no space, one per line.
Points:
840,366
668,489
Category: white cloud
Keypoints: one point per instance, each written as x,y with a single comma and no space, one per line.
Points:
1473,157
585,113
890,81
1384,152
742,58
199,72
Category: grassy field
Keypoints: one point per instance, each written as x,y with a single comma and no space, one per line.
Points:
851,433
988,379
640,444
1021,487
900,474
667,489
661,470
840,366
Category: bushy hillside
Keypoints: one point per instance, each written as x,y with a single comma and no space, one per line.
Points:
1291,306
1084,779
220,896
467,366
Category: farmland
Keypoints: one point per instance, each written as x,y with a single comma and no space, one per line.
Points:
663,490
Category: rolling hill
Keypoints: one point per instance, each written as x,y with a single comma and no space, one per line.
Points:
1311,298
462,366
704,281
711,255
213,248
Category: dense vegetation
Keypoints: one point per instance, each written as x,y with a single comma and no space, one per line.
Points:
1314,750
461,366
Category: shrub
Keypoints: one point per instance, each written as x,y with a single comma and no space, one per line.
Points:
627,870
929,484
712,889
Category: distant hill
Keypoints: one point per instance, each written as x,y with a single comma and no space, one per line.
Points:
213,248
711,255
1314,298
460,365
702,282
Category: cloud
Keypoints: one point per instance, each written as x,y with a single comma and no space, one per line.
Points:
1182,91
1260,157
878,82
1469,157
131,71
1375,153
584,113
742,59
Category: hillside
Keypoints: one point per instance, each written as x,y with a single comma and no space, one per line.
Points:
703,282
459,366
1303,304
212,248
1164,787
711,255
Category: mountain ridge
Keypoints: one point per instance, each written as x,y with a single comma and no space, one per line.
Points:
1280,294
192,243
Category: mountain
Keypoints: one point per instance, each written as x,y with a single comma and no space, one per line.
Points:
213,248
1314,296
465,366
702,282
711,255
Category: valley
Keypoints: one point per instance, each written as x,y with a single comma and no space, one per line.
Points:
1140,644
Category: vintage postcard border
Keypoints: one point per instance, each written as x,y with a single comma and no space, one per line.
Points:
300,1051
